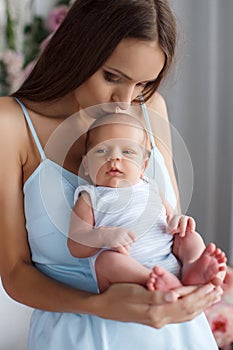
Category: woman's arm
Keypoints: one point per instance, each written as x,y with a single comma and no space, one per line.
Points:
21,280
24,283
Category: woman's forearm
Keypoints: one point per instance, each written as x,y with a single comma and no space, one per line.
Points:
129,302
79,250
29,286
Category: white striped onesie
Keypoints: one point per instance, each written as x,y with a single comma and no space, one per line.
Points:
140,209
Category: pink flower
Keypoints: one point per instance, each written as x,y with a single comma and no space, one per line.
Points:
228,281
227,347
13,62
45,42
29,68
220,324
228,296
56,17
228,286
220,317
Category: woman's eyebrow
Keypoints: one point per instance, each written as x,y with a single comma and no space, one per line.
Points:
126,76
119,72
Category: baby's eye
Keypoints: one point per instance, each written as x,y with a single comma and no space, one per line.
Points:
101,151
128,151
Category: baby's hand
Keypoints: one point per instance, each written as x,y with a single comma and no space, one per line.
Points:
117,238
181,224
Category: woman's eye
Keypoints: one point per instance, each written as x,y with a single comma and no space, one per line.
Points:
141,85
112,78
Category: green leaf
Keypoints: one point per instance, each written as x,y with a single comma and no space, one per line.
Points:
4,85
34,34
63,2
10,26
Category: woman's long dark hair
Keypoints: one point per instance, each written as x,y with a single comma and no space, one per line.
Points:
87,37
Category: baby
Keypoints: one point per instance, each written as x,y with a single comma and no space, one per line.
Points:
121,222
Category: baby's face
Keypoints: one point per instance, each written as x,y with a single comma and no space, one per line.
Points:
116,156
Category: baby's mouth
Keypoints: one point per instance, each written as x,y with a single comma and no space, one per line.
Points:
114,172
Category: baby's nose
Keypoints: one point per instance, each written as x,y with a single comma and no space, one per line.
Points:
113,158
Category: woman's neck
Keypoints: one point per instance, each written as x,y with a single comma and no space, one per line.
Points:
61,108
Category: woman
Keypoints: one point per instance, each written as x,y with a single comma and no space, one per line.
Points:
104,52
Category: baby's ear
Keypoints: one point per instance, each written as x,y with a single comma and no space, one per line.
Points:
85,166
144,166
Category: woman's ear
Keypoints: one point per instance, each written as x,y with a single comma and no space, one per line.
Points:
85,165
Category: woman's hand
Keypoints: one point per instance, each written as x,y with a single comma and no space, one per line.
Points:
133,303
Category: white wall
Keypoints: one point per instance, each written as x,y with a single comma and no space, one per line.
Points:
200,106
43,7
14,323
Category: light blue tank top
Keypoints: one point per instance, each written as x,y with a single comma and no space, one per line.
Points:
48,199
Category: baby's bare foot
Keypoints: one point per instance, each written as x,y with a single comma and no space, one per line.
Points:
210,267
161,279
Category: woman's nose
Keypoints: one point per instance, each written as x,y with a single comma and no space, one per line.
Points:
123,98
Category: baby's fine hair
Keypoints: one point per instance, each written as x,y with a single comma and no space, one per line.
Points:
122,119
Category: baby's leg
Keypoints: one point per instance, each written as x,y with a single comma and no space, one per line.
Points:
209,267
200,264
161,279
113,267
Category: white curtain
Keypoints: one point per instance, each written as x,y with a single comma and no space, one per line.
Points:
200,104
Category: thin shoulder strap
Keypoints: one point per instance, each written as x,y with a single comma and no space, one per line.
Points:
33,131
154,150
147,120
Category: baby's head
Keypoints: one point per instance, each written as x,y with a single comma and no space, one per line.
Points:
117,151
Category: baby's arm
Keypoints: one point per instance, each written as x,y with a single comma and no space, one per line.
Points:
181,224
80,241
86,240
188,244
178,223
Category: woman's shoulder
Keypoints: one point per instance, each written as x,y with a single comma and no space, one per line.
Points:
12,124
9,111
157,103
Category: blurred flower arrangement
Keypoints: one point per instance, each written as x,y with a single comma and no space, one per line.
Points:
220,315
17,60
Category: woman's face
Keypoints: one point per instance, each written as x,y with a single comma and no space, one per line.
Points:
123,76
